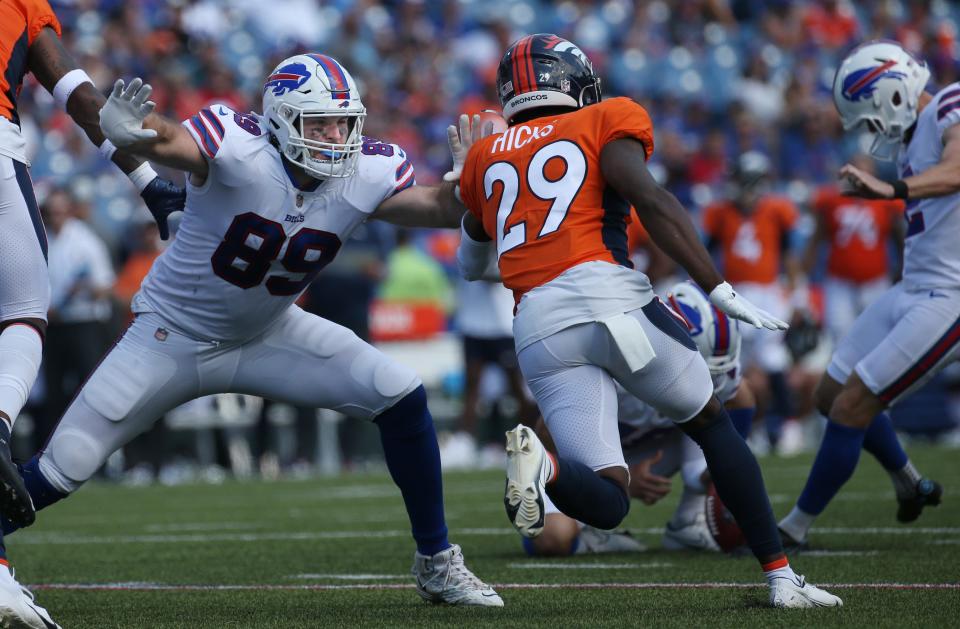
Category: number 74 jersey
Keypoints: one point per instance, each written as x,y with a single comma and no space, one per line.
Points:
250,241
538,190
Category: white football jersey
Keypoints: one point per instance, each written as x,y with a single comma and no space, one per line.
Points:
931,255
250,241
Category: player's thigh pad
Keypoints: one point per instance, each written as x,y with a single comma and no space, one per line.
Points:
306,360
867,330
24,285
677,381
578,400
138,381
924,339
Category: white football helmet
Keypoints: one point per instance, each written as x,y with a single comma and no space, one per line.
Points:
879,84
717,336
314,86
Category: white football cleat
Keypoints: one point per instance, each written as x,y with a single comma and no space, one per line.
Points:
444,578
692,535
796,593
593,540
527,470
18,610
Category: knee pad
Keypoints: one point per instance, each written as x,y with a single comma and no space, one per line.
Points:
71,458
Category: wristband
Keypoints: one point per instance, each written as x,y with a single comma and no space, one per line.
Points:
107,149
900,189
67,83
142,176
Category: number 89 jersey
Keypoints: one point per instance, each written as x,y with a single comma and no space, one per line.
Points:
250,241
538,190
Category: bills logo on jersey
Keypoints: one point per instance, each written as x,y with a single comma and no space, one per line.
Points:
287,79
861,84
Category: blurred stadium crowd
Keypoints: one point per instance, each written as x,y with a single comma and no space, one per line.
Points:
720,78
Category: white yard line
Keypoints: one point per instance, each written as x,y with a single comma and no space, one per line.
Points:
346,577
160,587
30,537
572,565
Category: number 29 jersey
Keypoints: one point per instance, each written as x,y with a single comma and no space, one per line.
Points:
538,190
250,241
560,230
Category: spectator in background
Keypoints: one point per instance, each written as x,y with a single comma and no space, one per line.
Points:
146,248
485,319
413,276
81,281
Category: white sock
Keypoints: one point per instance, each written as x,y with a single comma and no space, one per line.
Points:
905,480
691,503
785,572
20,352
797,523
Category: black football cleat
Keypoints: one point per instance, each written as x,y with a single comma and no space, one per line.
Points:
15,503
928,494
792,546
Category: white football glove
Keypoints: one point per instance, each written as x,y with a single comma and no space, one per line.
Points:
121,117
461,140
724,298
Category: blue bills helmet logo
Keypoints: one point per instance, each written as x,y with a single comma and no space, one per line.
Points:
286,79
862,83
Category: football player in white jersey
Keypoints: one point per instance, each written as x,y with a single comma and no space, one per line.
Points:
655,449
270,200
911,332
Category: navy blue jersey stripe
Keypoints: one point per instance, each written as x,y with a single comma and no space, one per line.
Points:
616,210
16,68
26,189
213,120
946,109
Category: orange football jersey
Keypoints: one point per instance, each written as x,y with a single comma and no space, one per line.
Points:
20,23
857,231
751,243
538,190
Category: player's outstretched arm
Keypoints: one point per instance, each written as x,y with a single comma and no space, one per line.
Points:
623,163
939,180
422,206
56,70
127,119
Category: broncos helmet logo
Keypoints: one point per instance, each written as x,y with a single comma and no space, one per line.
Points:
861,84
287,79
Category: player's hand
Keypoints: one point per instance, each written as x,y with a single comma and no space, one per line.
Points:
858,183
121,117
724,298
644,484
163,198
471,130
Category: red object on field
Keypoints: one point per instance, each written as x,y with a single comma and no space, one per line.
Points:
723,527
405,321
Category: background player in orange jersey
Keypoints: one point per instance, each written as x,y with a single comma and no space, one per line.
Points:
857,234
30,43
554,192
753,232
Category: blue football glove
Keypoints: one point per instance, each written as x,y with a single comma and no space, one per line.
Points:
163,198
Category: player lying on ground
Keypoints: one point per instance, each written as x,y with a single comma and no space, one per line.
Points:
554,193
270,201
655,449
913,330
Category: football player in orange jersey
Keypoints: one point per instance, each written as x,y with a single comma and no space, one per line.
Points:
553,193
857,234
30,43
753,231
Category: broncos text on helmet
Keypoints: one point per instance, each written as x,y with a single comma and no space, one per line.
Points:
314,86
544,70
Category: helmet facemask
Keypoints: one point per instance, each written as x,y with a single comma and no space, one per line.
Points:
321,158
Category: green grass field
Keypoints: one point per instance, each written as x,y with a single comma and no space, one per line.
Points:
336,552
